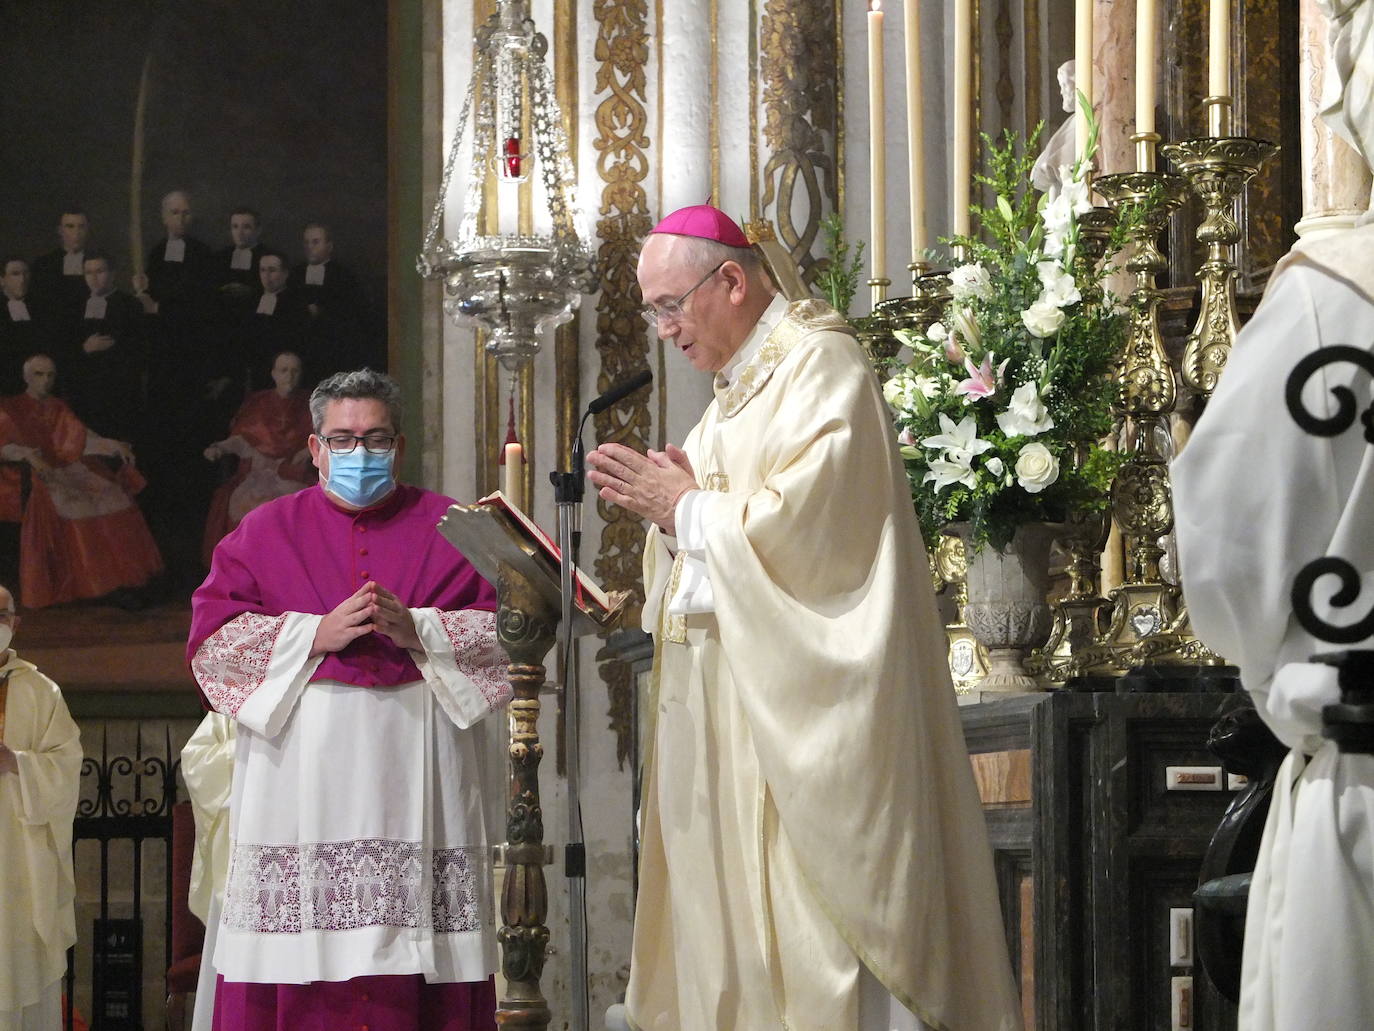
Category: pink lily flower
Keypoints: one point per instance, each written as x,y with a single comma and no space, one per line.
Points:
982,381
953,351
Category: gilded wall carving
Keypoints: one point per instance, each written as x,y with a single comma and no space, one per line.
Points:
622,142
798,64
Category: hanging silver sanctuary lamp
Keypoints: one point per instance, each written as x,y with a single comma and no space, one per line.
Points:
513,285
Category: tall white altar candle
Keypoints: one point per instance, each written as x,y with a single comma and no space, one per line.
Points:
963,115
1083,70
1146,49
1219,50
915,127
877,143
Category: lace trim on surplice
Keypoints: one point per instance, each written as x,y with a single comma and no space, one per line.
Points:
477,654
232,662
342,885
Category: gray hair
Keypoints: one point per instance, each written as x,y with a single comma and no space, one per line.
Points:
703,254
361,385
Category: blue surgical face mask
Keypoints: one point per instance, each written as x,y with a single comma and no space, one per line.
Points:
360,478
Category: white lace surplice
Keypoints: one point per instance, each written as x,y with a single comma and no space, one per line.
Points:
358,839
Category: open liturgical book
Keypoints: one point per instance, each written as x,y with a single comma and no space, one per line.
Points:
493,531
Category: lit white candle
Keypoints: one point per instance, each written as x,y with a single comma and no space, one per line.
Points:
1219,50
1145,58
1083,70
512,482
963,114
915,127
877,144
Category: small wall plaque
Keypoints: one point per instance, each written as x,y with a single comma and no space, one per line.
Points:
1193,778
1181,1007
1181,937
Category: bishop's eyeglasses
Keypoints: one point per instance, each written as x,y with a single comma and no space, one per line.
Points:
672,311
347,443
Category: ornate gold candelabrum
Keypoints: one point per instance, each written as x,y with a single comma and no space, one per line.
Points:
919,311
1144,604
1217,167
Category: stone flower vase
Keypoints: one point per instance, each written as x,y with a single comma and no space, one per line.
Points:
1007,609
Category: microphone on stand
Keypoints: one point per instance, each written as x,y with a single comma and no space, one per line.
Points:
573,487
567,491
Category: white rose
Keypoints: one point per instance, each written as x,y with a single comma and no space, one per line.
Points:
1043,318
1025,415
969,281
1036,468
937,333
995,466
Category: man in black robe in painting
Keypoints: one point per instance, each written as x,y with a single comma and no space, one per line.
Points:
107,364
235,275
277,323
59,284
341,335
177,294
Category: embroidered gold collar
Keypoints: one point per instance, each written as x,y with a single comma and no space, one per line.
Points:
801,319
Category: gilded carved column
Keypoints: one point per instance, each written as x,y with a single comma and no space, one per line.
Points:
1335,179
622,144
798,65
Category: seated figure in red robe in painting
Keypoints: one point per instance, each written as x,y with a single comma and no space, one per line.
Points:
269,435
81,535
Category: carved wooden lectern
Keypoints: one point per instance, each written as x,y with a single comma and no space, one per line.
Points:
507,549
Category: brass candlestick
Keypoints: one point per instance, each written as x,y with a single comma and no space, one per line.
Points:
1144,604
1077,616
968,662
1217,168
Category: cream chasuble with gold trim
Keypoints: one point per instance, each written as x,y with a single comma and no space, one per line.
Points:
809,807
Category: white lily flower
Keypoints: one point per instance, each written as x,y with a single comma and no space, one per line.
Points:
961,439
969,281
967,327
946,471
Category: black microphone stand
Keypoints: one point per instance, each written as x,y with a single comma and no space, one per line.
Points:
568,489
